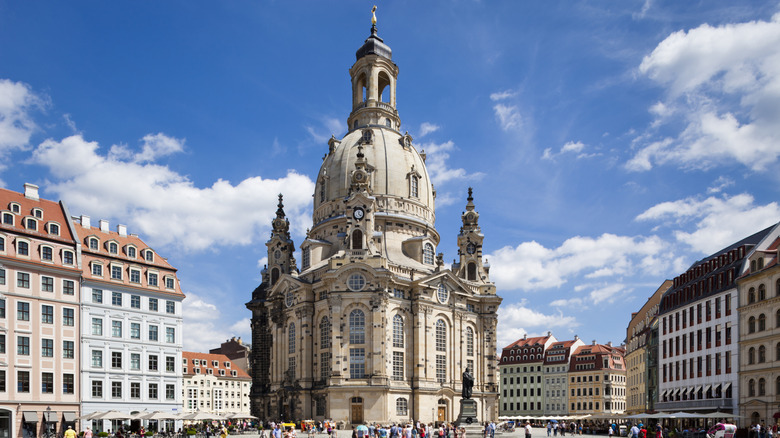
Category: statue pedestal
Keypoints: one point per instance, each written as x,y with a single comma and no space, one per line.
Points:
468,417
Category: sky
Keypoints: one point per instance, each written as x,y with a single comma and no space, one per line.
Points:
610,144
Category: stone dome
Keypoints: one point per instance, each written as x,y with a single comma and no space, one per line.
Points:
393,166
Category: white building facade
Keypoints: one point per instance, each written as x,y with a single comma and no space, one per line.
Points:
131,336
215,384
556,373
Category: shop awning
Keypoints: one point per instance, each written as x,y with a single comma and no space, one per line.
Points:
707,388
698,388
50,417
30,416
69,417
726,386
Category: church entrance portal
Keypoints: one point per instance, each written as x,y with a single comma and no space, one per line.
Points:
357,410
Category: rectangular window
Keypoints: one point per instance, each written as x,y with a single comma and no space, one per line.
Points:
152,279
116,359
97,359
170,307
116,329
23,280
116,298
47,314
97,327
717,363
153,304
169,282
22,381
170,364
170,392
97,389
728,361
135,389
23,345
116,389
68,318
67,349
67,257
2,276
135,361
357,363
135,276
97,296
398,365
135,330
2,308
324,365
68,287
152,391
153,333
116,272
47,383
22,311
708,311
170,335
68,387
441,368
717,307
47,347
135,301
47,284
153,362
727,304
46,253
2,344
97,270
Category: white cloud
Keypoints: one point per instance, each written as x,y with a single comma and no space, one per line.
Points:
719,184
717,221
150,197
725,82
330,126
508,116
17,101
437,155
571,147
516,320
204,322
531,266
156,146
502,95
242,328
427,128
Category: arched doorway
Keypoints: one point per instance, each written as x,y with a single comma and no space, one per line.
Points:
755,418
441,412
356,408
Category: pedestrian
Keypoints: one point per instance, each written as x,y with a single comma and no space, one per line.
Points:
88,432
528,429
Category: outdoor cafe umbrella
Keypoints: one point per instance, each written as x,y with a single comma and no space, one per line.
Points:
112,415
91,415
159,415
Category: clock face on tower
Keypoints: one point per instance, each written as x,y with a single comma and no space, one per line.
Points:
471,248
358,213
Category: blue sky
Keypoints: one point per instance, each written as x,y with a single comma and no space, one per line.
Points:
609,144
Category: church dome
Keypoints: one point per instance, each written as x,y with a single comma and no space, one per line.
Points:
395,170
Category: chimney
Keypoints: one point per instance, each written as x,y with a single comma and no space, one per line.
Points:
594,342
609,344
576,338
121,230
85,221
31,191
549,333
525,336
103,225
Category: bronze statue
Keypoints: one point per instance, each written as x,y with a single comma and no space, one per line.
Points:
468,383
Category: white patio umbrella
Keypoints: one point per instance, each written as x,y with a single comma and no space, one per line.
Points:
91,416
159,415
112,415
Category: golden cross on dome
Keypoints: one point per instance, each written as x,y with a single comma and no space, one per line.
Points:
373,15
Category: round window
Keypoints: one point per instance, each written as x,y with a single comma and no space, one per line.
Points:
288,298
443,294
356,282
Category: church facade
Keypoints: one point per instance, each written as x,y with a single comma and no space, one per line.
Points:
373,327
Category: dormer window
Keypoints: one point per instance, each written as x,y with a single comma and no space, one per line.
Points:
93,243
388,123
47,254
428,254
8,218
234,373
54,229
16,208
151,279
22,248
149,255
31,224
37,212
97,269
210,371
130,251
221,372
227,364
215,363
113,248
169,283
366,137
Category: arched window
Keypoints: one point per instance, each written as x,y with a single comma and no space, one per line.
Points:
357,239
306,258
761,292
761,354
760,263
470,341
777,354
325,332
274,275
752,355
401,407
357,327
777,288
441,335
751,295
777,319
398,331
428,254
322,190
777,385
414,190
761,322
291,338
761,384
752,324
471,271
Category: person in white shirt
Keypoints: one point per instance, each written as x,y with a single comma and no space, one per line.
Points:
528,429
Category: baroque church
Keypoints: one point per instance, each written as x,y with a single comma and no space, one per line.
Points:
372,327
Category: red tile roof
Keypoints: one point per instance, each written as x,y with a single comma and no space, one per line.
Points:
209,359
52,212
